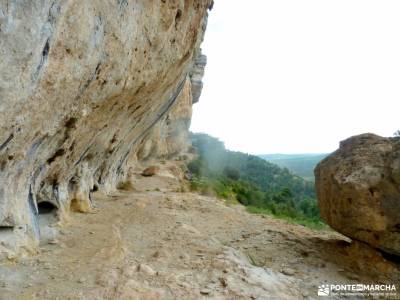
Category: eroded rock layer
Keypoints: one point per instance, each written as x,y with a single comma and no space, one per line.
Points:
84,85
358,189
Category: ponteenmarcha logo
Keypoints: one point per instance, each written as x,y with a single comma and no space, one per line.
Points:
357,289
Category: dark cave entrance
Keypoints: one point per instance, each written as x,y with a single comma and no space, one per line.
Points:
391,257
46,208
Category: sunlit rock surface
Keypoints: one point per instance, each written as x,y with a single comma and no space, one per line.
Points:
358,189
196,76
83,86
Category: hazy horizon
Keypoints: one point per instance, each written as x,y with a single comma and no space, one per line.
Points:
294,77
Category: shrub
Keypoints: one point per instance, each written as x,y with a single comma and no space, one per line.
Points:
195,167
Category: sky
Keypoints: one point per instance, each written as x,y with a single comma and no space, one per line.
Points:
289,76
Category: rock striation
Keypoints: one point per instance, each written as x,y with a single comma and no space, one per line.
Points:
358,189
86,89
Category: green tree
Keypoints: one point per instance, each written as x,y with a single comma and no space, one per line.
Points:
231,173
196,167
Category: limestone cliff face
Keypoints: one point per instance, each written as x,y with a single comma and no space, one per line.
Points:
358,189
86,88
196,76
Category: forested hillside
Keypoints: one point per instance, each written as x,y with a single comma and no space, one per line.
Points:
251,180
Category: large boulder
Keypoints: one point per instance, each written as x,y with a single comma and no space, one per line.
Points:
358,189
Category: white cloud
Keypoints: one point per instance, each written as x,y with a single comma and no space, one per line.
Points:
299,76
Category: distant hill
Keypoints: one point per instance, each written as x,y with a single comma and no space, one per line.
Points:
300,164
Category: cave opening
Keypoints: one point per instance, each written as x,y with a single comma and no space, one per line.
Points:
6,228
46,208
391,257
95,188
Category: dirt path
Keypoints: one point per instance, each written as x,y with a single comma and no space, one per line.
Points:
158,243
